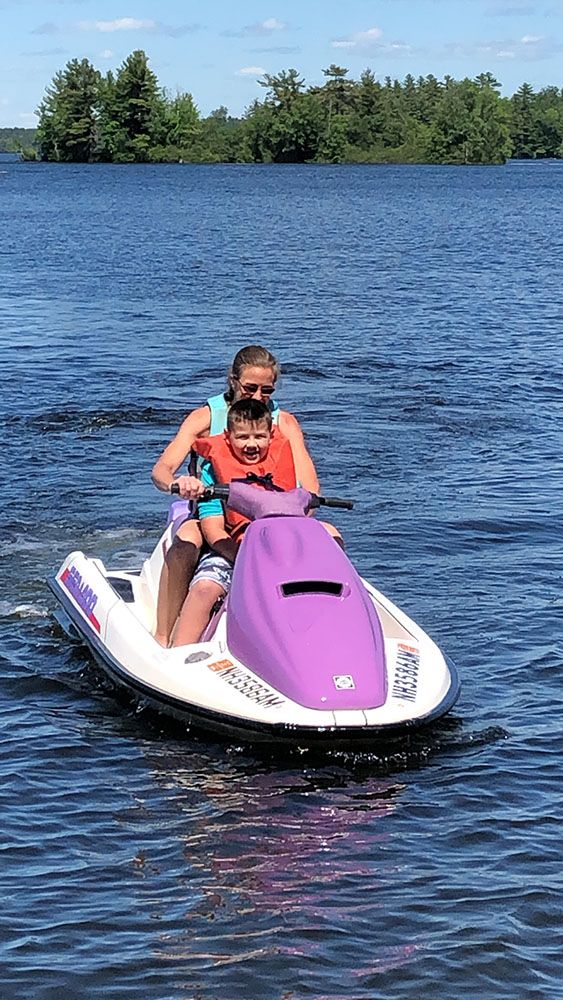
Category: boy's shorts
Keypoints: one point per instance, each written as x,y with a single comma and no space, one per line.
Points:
215,568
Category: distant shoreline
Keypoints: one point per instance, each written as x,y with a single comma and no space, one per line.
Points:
17,158
127,117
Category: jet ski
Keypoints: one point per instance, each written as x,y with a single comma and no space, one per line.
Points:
302,650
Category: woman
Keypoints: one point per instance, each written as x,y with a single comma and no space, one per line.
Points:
253,374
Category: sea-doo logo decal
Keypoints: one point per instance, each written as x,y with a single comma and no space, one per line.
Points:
344,682
406,672
250,688
82,594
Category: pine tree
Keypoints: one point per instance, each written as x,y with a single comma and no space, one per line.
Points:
283,87
136,110
523,123
68,129
368,119
548,121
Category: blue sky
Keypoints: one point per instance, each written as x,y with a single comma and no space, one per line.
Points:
217,49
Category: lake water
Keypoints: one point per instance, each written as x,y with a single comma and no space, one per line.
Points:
418,314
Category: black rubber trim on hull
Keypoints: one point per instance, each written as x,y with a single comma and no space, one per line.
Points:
233,727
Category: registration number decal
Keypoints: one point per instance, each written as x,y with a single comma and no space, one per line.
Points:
242,682
405,683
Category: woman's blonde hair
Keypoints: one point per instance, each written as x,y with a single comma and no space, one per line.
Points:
252,356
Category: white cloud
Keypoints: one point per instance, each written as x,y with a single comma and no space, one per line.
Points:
107,54
528,48
260,28
370,41
272,24
284,50
120,24
138,24
251,71
369,36
360,40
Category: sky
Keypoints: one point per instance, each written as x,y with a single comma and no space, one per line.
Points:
218,49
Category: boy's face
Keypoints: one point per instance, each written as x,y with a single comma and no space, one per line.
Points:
250,441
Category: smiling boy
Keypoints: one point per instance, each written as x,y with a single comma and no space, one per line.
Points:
250,445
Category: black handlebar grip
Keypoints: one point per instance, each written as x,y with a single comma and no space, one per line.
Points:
221,491
174,488
336,502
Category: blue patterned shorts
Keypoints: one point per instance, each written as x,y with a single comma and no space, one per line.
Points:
213,567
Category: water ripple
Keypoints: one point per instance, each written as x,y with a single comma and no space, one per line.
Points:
422,354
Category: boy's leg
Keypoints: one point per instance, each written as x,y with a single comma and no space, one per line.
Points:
211,581
179,566
196,611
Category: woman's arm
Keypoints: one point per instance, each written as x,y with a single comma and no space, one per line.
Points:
165,469
304,465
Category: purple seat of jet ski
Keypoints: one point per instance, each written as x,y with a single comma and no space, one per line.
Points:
180,511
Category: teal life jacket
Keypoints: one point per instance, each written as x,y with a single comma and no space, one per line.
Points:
219,409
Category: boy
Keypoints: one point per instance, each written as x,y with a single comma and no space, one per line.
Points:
249,445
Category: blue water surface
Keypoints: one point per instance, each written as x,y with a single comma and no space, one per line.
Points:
418,314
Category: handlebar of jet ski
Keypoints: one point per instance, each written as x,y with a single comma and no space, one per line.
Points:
317,501
218,492
221,492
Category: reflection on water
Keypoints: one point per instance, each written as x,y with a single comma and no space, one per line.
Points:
266,848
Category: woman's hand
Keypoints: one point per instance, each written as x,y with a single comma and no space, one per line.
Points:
189,487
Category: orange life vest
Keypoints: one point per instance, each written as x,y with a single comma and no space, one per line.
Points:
278,463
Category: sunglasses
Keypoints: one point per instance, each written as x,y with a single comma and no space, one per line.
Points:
251,387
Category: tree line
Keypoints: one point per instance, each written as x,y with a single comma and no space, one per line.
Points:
14,140
127,117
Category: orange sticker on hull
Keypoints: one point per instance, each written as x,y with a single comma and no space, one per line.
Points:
220,665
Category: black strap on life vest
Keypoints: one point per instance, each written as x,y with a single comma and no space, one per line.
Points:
266,481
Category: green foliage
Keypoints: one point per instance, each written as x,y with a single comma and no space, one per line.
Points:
283,89
470,124
14,140
68,114
127,118
284,133
537,122
524,136
136,109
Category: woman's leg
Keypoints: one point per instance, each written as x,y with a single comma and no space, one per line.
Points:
179,566
334,532
196,611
